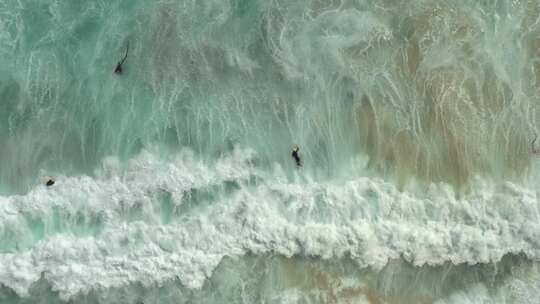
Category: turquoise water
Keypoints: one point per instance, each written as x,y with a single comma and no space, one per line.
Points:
175,182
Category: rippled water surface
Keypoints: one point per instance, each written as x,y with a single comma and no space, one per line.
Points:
175,181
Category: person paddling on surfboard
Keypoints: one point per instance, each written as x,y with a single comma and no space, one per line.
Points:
295,155
118,69
49,181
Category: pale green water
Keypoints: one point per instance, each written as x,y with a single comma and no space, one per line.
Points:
267,279
175,179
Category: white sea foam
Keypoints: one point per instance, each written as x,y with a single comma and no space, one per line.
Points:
518,289
90,234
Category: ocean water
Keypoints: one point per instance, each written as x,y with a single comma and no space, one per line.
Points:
175,181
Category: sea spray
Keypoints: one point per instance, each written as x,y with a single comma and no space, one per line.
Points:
175,180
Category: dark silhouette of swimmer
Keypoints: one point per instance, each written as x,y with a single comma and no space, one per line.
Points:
118,69
49,181
296,156
533,149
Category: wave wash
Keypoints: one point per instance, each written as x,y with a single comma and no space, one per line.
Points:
174,181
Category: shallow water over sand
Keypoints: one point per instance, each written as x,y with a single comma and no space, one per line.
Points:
175,182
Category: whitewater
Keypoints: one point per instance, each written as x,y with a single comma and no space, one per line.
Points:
175,181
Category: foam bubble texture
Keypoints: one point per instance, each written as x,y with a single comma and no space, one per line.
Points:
159,220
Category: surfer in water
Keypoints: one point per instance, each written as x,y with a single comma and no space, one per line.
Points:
118,69
49,181
295,155
533,149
